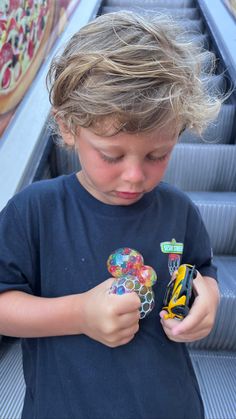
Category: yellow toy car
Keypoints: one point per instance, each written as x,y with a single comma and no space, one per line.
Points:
179,296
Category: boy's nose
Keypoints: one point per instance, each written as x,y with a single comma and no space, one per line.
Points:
133,173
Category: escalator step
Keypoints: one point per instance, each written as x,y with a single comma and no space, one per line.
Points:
203,167
12,385
192,26
218,210
216,376
152,3
190,13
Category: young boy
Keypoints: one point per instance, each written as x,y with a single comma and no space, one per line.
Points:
122,91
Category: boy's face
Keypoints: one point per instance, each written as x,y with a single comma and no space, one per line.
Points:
120,169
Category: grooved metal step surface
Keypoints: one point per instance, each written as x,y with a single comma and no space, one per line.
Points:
212,368
218,210
203,167
12,385
150,3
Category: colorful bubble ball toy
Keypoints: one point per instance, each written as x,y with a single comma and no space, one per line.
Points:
131,275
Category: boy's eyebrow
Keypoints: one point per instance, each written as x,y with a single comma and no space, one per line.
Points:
162,149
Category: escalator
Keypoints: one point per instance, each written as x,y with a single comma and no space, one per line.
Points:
205,168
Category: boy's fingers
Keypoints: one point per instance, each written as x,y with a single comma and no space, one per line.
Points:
126,303
170,324
129,319
130,331
162,315
192,320
189,323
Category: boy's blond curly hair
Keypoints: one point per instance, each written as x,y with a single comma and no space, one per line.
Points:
139,72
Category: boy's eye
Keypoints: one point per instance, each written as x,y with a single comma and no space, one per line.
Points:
110,159
158,158
149,157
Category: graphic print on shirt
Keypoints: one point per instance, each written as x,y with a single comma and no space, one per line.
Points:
174,250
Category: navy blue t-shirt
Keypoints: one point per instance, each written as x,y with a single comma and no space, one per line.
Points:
55,239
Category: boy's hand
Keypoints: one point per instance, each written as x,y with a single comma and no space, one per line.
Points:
110,319
200,320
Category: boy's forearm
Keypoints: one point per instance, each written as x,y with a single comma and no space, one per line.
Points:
24,315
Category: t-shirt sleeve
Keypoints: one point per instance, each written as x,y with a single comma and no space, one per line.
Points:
15,255
197,246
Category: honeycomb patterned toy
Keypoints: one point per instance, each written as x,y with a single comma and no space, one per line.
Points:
131,275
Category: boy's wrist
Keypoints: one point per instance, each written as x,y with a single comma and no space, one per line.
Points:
76,314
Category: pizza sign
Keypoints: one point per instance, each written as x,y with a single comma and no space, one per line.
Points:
25,26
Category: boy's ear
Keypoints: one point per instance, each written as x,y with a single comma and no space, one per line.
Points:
67,135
